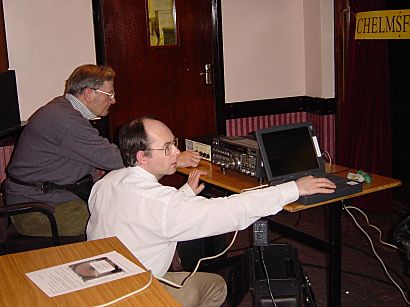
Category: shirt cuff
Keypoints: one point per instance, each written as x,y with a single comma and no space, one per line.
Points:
186,189
289,191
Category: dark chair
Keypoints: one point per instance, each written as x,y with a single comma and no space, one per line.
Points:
11,241
401,235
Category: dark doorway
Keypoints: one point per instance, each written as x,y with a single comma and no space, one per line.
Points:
399,59
400,100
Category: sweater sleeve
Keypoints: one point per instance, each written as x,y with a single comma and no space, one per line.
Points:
84,144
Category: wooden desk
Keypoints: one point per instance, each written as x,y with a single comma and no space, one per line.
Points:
18,290
235,182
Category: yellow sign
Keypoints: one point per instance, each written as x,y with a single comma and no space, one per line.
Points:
394,24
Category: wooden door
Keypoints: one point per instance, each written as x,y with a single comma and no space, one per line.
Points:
161,81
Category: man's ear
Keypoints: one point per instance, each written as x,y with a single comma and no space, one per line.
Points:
87,95
140,157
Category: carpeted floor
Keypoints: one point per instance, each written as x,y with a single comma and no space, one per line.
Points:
364,281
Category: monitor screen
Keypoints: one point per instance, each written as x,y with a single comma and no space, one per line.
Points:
9,106
288,151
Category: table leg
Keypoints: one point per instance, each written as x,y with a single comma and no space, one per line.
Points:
335,257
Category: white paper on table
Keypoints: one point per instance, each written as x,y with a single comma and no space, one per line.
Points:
83,273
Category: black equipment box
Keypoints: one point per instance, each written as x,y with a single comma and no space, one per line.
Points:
289,285
285,276
238,153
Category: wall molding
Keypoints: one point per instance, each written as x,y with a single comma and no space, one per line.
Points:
320,106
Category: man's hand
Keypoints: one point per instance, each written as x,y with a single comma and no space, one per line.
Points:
188,158
193,181
311,185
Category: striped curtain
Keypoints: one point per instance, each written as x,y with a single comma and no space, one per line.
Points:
324,126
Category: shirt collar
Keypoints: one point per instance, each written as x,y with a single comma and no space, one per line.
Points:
80,107
143,173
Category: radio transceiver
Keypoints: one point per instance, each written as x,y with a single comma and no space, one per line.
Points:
202,145
238,153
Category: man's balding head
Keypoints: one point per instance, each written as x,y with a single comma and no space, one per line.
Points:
150,144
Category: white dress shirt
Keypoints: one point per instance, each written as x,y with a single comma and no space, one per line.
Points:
150,218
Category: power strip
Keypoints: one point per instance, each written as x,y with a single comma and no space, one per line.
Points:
260,233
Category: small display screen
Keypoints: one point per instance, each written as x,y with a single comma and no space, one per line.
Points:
288,151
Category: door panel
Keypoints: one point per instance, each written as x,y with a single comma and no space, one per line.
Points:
162,81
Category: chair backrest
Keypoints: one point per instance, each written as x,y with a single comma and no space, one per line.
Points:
4,221
12,241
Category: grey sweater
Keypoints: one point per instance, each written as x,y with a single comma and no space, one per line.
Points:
58,145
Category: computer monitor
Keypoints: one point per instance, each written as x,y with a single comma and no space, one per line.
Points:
289,151
9,105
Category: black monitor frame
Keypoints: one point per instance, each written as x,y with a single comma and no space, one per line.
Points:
313,163
9,105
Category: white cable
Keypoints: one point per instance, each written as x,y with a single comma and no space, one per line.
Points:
210,257
197,266
377,256
328,155
129,294
261,250
255,188
377,229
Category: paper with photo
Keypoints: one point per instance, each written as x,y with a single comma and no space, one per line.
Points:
83,273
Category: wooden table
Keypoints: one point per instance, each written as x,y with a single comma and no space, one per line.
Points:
18,290
236,182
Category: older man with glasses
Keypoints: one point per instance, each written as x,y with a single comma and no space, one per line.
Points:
59,151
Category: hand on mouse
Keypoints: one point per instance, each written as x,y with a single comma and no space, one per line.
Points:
311,185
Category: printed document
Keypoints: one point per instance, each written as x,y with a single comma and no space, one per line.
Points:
83,273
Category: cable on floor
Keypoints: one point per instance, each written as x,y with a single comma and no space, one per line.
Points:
374,251
349,273
376,228
397,275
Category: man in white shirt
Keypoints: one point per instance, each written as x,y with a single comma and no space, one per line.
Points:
150,218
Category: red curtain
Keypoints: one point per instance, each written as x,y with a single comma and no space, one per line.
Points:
364,136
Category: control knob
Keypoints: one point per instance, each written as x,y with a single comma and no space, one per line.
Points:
235,163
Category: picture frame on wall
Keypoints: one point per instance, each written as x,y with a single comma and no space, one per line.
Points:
162,26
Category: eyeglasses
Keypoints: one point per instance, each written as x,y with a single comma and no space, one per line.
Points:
168,147
110,95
